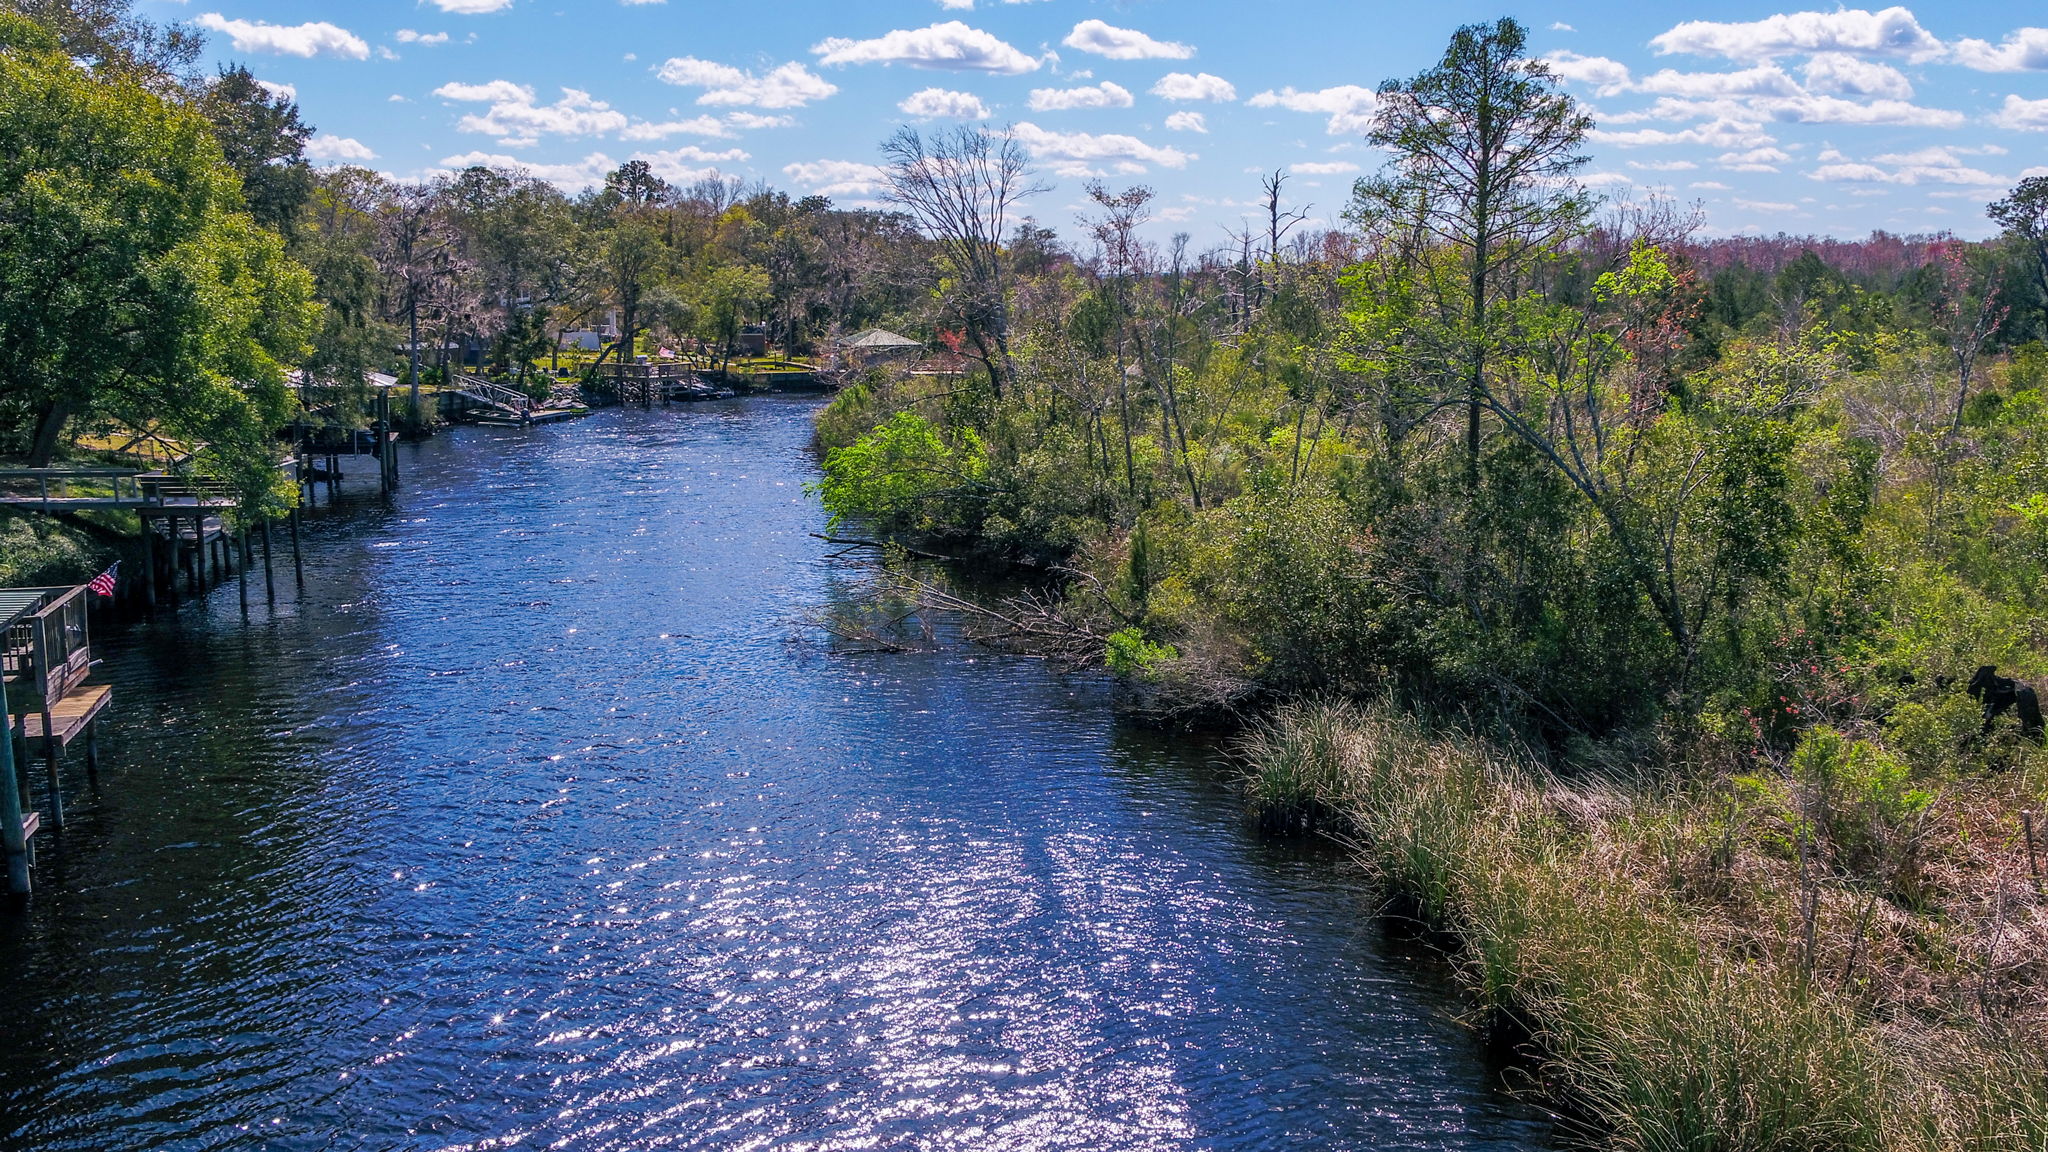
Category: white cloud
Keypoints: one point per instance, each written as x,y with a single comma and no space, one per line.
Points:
1754,160
1103,95
1764,205
951,45
472,7
424,39
1122,43
1846,75
338,148
750,121
1799,108
1606,77
943,103
1663,165
1891,32
1713,134
519,121
2025,50
306,40
836,177
496,91
1187,122
1349,107
278,90
1926,166
789,85
1199,86
710,126
1710,186
2022,115
1073,153
1763,80
1322,168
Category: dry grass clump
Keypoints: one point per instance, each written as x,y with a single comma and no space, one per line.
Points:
1821,959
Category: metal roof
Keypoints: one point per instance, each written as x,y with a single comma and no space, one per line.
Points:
18,602
879,338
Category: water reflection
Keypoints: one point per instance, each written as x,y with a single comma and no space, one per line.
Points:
542,821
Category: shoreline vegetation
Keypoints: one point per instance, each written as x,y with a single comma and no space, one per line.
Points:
1623,600
1693,966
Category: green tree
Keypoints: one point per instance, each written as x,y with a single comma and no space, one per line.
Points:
1485,147
133,284
114,43
2023,213
264,142
338,239
636,251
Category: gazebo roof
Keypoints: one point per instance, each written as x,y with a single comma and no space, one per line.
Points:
879,338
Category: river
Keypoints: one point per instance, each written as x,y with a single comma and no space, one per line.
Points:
544,819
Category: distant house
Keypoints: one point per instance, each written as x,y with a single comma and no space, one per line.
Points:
875,346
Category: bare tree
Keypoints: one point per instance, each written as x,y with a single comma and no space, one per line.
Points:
961,185
1279,223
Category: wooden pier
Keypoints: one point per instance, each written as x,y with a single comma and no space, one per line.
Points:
188,525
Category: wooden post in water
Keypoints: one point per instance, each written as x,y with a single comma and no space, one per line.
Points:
148,563
269,576
242,579
171,561
298,560
13,832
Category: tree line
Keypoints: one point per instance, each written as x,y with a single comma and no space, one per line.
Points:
172,262
1492,442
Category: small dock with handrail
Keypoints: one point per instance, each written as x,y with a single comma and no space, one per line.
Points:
498,405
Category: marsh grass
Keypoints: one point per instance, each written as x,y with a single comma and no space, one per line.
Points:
1678,987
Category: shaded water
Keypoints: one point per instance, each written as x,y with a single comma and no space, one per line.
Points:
542,821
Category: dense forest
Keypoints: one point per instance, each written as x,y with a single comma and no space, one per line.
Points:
1655,614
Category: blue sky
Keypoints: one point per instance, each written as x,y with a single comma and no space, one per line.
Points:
1772,118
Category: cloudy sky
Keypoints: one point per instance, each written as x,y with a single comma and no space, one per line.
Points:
1772,119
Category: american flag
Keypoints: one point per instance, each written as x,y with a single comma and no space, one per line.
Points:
104,582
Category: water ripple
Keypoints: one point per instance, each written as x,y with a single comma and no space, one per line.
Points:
541,822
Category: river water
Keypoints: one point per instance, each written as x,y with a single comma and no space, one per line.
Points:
545,820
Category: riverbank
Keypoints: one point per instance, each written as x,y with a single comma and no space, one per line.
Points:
38,551
1785,961
1769,890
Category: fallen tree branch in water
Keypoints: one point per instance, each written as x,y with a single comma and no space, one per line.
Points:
882,545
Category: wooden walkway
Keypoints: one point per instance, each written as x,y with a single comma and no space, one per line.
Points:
70,718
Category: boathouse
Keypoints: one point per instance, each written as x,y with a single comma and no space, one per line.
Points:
50,705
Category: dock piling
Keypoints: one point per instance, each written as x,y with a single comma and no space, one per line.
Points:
13,829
